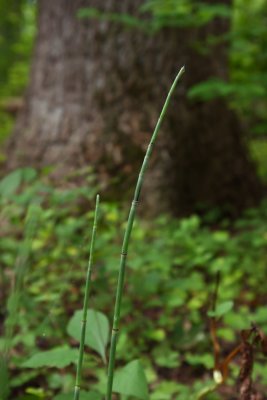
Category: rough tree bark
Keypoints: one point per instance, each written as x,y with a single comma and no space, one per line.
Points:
96,90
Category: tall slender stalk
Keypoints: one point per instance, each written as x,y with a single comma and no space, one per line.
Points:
127,235
85,305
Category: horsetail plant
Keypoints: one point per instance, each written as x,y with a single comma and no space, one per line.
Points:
126,240
85,304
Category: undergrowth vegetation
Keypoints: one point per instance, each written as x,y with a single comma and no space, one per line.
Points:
17,32
168,293
170,322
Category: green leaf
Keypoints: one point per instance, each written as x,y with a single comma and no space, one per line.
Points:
207,12
97,333
10,183
131,381
204,359
37,393
83,396
58,357
221,309
28,174
210,89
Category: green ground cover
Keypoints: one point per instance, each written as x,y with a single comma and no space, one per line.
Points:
170,280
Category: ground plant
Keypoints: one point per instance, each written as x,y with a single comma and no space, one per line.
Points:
178,317
167,294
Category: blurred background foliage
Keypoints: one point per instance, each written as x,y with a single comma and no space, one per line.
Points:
169,288
17,32
246,89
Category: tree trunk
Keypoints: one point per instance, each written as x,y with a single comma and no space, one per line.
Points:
96,90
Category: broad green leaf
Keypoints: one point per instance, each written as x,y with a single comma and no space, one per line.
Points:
10,183
210,89
204,359
97,333
58,357
28,174
131,381
83,396
37,393
221,309
167,390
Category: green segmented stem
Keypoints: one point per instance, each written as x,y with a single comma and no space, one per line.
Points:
85,305
127,235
